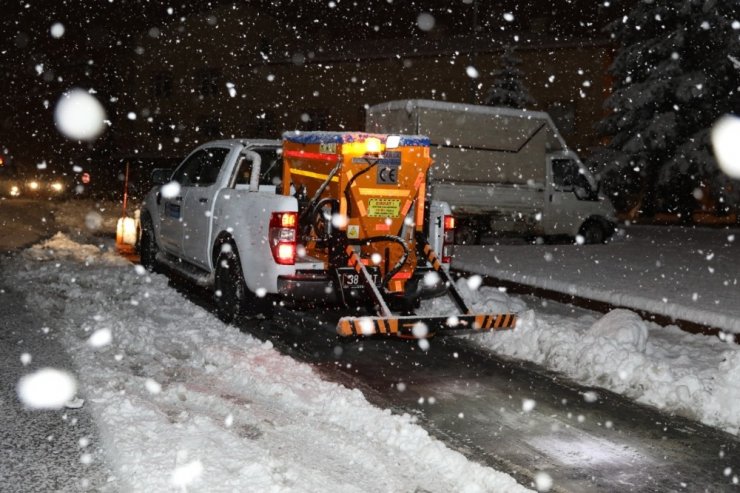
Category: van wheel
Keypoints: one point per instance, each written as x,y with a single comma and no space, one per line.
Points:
593,233
467,235
148,247
232,296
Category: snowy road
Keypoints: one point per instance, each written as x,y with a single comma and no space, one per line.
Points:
24,222
50,450
181,399
585,440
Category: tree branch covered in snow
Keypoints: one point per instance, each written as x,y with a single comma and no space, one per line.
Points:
671,83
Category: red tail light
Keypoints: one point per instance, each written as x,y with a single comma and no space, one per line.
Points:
449,222
448,238
283,237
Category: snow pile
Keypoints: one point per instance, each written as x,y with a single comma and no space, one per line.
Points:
693,375
185,402
485,300
623,327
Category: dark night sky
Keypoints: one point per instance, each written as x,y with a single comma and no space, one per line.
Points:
37,67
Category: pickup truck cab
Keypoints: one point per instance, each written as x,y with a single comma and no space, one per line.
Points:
220,221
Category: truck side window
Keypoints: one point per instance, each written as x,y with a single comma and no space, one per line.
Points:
272,167
564,174
244,172
213,160
186,174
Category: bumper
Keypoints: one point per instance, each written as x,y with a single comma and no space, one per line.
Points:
310,287
307,287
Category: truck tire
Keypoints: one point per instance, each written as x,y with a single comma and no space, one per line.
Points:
148,247
231,294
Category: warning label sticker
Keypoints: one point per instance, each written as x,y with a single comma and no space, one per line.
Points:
328,148
378,207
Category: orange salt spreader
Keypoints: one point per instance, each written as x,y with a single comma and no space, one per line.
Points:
363,211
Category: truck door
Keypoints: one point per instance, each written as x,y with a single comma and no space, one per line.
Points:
172,224
197,206
565,212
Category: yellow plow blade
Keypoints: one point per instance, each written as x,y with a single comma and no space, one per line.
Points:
420,327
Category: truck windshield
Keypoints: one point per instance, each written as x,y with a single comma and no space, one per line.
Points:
564,173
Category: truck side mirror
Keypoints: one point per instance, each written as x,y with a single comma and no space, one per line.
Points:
160,176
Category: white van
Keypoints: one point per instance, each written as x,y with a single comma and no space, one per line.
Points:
502,170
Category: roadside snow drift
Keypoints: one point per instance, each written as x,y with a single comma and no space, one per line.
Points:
184,402
693,375
683,273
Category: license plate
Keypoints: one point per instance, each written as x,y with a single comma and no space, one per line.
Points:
351,280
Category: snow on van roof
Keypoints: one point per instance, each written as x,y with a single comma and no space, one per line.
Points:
345,137
410,104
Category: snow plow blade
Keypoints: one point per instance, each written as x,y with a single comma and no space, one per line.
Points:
420,327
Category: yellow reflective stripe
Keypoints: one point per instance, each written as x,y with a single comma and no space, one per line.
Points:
344,328
406,207
311,174
384,192
361,208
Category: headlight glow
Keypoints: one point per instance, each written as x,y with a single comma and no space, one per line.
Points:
56,186
15,191
33,185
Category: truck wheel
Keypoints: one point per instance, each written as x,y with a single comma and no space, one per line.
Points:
232,296
231,290
593,232
148,247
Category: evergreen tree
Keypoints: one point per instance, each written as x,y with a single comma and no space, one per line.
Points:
507,88
673,80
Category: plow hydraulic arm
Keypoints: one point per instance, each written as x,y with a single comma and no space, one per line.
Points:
418,326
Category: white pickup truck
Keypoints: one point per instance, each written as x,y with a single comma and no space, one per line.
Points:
220,220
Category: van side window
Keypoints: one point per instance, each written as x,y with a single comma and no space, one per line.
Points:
564,174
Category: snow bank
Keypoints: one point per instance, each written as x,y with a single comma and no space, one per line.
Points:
683,273
623,327
693,375
185,402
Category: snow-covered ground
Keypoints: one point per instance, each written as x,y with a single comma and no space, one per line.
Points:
184,402
691,274
685,273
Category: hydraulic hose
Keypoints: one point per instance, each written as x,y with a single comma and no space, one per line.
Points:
395,239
